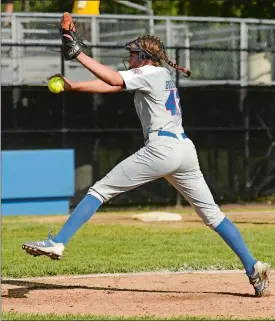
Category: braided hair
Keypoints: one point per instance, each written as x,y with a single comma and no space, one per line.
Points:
155,49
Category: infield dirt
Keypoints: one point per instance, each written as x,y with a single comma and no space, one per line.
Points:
215,294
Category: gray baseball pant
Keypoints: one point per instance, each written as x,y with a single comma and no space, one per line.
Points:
176,160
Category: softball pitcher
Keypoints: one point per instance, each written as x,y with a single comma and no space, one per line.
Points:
167,153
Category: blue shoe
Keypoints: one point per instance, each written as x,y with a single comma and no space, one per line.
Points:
259,279
46,247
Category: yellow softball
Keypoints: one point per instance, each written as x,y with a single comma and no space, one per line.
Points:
56,84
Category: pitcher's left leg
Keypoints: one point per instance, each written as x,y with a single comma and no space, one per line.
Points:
146,165
53,247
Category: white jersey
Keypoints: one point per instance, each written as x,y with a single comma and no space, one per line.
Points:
156,100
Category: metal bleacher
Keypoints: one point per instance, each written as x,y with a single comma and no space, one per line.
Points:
214,48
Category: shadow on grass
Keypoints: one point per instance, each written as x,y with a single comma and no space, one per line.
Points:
26,286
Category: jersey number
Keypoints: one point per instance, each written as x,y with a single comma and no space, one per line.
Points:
173,102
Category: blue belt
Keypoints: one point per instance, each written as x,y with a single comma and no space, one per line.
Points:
169,134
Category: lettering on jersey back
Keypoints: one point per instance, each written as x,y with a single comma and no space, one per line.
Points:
170,84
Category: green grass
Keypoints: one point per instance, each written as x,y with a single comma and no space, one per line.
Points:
117,248
185,209
107,248
19,316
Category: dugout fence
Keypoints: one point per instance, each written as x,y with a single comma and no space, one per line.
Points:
228,105
234,138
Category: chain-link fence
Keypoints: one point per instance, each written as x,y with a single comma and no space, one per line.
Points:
231,122
233,130
218,51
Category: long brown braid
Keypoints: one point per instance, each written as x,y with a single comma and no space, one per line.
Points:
153,46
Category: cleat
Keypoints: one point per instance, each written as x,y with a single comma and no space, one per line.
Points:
46,247
259,279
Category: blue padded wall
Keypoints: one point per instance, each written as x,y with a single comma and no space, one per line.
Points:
36,182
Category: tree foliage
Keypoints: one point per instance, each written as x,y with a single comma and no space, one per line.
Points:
263,9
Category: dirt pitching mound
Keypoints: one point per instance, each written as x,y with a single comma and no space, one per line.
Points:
211,294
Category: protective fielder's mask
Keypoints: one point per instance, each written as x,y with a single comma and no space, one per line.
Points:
133,46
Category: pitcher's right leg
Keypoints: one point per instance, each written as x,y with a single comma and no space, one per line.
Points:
189,181
192,186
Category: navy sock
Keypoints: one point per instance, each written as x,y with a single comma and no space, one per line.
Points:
231,235
82,213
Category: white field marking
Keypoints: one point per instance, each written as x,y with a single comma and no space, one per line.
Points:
87,276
